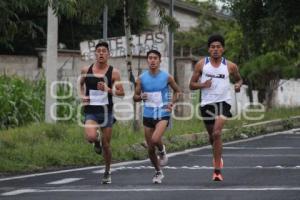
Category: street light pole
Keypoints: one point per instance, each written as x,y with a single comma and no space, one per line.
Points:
105,13
171,40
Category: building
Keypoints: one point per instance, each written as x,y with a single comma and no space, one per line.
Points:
185,13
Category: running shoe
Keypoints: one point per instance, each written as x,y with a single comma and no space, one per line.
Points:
217,177
158,176
106,178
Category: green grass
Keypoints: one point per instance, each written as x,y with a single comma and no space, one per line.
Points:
40,146
275,113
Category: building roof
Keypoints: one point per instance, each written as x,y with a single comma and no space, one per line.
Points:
181,5
190,8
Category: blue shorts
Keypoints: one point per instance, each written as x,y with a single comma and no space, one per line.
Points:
104,120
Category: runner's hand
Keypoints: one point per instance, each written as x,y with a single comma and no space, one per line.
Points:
237,87
207,83
102,86
85,100
144,96
169,107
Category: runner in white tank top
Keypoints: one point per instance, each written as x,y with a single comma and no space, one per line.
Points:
220,88
211,76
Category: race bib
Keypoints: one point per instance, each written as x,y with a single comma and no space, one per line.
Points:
98,98
154,99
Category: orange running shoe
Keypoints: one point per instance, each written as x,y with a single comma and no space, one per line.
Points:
217,177
221,164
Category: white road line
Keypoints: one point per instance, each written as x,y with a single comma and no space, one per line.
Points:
262,148
264,188
196,167
16,192
249,155
123,168
143,161
64,181
70,170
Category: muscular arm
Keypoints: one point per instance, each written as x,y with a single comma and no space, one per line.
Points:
137,92
82,79
194,82
116,78
234,71
175,88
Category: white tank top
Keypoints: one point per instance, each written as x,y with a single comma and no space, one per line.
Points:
220,87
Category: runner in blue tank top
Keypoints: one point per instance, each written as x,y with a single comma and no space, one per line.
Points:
153,88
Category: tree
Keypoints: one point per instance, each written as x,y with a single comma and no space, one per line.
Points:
268,25
16,20
209,22
23,23
265,72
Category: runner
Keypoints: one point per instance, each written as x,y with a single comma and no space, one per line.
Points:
214,72
98,84
153,88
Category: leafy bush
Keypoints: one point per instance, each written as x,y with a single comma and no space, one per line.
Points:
23,101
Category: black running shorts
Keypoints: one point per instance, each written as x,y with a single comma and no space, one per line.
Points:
151,123
211,111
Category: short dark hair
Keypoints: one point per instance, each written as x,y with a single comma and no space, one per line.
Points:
155,52
215,38
102,44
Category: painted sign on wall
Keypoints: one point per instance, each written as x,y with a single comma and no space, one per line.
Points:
140,45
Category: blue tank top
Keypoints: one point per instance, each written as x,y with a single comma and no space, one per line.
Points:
157,90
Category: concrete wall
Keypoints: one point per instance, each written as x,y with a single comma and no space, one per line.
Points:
287,93
70,63
24,66
240,101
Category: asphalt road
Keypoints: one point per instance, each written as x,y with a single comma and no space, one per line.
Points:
265,167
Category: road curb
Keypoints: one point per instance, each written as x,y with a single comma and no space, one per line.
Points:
185,141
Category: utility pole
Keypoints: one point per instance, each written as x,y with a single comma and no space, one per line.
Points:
129,45
51,66
105,13
171,40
